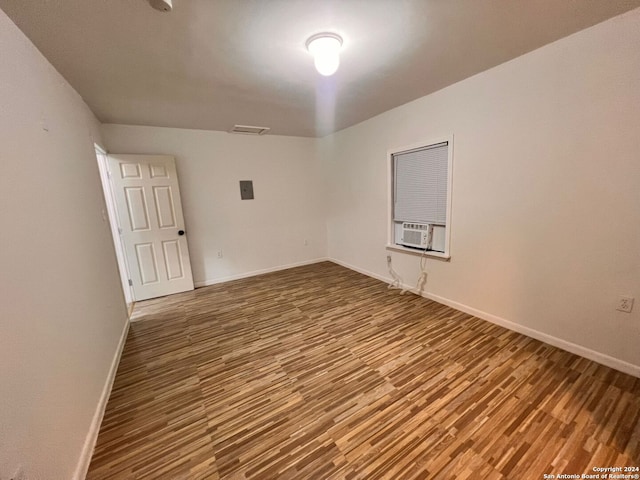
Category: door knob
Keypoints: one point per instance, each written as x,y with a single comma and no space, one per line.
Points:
180,232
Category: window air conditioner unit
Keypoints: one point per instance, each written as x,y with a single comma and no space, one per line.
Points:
417,235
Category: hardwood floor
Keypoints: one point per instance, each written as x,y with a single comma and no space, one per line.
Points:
319,372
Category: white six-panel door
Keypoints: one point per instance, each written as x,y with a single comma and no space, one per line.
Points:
151,222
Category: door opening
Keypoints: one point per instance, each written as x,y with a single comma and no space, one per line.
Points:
112,213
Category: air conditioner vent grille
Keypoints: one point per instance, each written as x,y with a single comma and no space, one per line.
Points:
249,130
417,235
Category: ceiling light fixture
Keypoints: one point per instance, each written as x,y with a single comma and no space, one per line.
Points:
162,5
325,48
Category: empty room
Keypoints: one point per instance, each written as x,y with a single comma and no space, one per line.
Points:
320,239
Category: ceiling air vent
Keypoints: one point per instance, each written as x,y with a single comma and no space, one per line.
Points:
249,130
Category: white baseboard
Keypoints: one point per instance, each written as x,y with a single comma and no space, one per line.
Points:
585,352
92,436
205,283
365,272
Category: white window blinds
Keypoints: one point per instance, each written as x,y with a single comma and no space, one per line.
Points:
420,187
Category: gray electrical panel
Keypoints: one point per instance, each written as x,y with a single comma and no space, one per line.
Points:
246,189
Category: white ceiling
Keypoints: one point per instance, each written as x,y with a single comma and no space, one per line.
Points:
210,64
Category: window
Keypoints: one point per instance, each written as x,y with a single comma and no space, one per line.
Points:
420,198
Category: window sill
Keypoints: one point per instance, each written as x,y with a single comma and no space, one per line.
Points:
432,254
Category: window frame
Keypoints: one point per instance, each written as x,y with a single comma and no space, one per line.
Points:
391,245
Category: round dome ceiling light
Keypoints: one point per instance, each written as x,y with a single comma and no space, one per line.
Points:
162,5
325,48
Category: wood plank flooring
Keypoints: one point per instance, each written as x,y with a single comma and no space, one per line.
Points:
319,372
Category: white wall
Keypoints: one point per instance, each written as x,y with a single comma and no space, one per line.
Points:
546,220
546,191
253,235
62,309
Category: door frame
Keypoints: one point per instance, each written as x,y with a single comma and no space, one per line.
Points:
114,223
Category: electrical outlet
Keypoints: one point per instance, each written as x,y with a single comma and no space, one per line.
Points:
219,253
388,258
625,304
306,242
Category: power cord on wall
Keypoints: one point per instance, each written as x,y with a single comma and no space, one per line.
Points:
396,284
422,279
